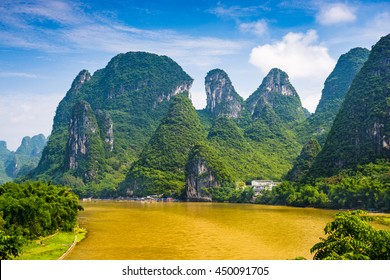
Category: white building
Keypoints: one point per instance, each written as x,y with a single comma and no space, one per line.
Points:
260,185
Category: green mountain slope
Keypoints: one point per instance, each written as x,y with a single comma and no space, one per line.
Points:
276,111
361,130
161,166
304,161
235,150
335,88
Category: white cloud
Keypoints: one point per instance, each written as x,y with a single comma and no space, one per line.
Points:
77,30
297,54
187,50
257,27
305,61
237,11
336,13
17,75
61,12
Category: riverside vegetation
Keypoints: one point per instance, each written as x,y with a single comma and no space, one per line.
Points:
31,210
130,130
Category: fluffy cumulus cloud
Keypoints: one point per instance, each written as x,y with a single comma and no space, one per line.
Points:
307,63
335,14
257,27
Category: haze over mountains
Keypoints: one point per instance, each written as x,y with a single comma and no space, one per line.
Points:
130,128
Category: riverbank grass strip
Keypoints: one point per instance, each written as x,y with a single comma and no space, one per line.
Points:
53,247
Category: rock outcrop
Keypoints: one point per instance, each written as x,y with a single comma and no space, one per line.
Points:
84,147
106,126
222,98
207,174
199,179
83,77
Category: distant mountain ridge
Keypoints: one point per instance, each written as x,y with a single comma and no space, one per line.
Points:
23,160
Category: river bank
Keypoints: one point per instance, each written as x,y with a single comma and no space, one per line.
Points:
53,247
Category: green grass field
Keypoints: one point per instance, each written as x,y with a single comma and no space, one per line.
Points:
52,247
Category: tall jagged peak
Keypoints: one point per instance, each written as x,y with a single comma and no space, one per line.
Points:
222,98
83,77
32,146
336,87
3,145
277,81
73,94
276,92
340,79
361,130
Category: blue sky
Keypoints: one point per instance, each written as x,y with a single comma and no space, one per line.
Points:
44,44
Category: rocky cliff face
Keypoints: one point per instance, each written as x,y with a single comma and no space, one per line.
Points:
82,124
184,87
207,174
83,77
222,99
106,126
277,93
199,179
361,129
84,149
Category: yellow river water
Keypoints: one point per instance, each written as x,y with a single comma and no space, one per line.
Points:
130,230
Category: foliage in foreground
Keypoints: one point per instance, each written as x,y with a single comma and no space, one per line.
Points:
350,237
30,210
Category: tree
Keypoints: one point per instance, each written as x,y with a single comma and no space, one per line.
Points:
10,245
29,210
350,237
